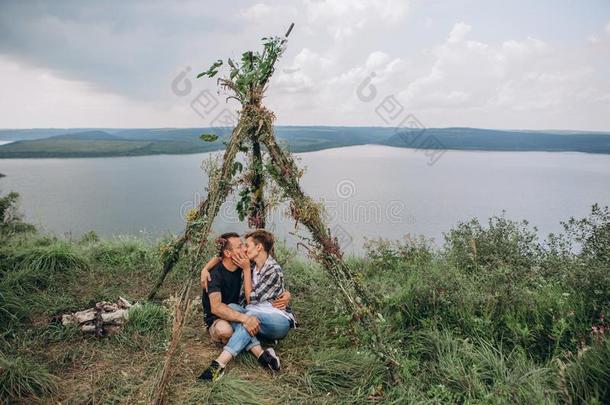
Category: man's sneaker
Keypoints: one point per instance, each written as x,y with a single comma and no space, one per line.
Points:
212,373
270,359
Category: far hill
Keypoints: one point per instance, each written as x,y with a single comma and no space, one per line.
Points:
151,141
87,135
487,139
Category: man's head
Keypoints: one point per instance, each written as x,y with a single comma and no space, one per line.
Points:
259,242
229,244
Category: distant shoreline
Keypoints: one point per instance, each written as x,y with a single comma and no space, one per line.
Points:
296,152
78,143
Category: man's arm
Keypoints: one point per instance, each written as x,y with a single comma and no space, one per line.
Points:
223,311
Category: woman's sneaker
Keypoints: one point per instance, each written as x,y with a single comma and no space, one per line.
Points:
270,359
212,373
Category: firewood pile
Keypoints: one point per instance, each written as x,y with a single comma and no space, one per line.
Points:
105,318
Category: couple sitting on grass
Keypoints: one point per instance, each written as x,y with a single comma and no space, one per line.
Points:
245,298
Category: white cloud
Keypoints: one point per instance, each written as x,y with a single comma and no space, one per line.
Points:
344,18
459,31
39,98
261,13
257,12
117,71
518,74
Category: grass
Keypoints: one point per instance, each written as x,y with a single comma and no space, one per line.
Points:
585,379
121,254
55,258
147,318
512,323
230,389
337,372
21,378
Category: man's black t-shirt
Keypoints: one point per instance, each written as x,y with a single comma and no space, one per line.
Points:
227,283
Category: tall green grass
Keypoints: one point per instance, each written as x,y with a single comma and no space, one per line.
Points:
121,253
35,265
230,389
21,378
340,372
56,258
586,378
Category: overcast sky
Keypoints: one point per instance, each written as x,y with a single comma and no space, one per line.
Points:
489,63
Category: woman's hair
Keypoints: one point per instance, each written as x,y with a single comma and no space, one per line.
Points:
261,236
222,243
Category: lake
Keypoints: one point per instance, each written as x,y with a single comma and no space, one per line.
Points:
369,191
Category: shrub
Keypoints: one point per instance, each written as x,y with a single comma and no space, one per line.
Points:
410,251
474,248
588,275
88,237
11,222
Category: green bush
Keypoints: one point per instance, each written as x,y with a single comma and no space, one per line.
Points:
88,237
415,251
11,221
586,272
472,247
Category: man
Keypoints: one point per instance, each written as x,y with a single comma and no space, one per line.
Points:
224,285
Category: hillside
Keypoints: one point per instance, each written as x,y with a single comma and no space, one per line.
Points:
134,142
510,322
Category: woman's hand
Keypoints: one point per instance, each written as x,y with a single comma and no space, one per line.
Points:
282,301
241,260
205,277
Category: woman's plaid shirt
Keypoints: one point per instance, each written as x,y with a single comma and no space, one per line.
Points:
269,286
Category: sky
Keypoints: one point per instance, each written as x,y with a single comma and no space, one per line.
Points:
490,64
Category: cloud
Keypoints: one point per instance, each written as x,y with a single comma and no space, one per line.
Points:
516,74
344,18
119,65
458,32
38,93
126,52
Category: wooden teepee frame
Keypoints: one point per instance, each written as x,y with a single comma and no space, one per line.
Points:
248,83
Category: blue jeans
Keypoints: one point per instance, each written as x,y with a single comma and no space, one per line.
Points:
272,326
